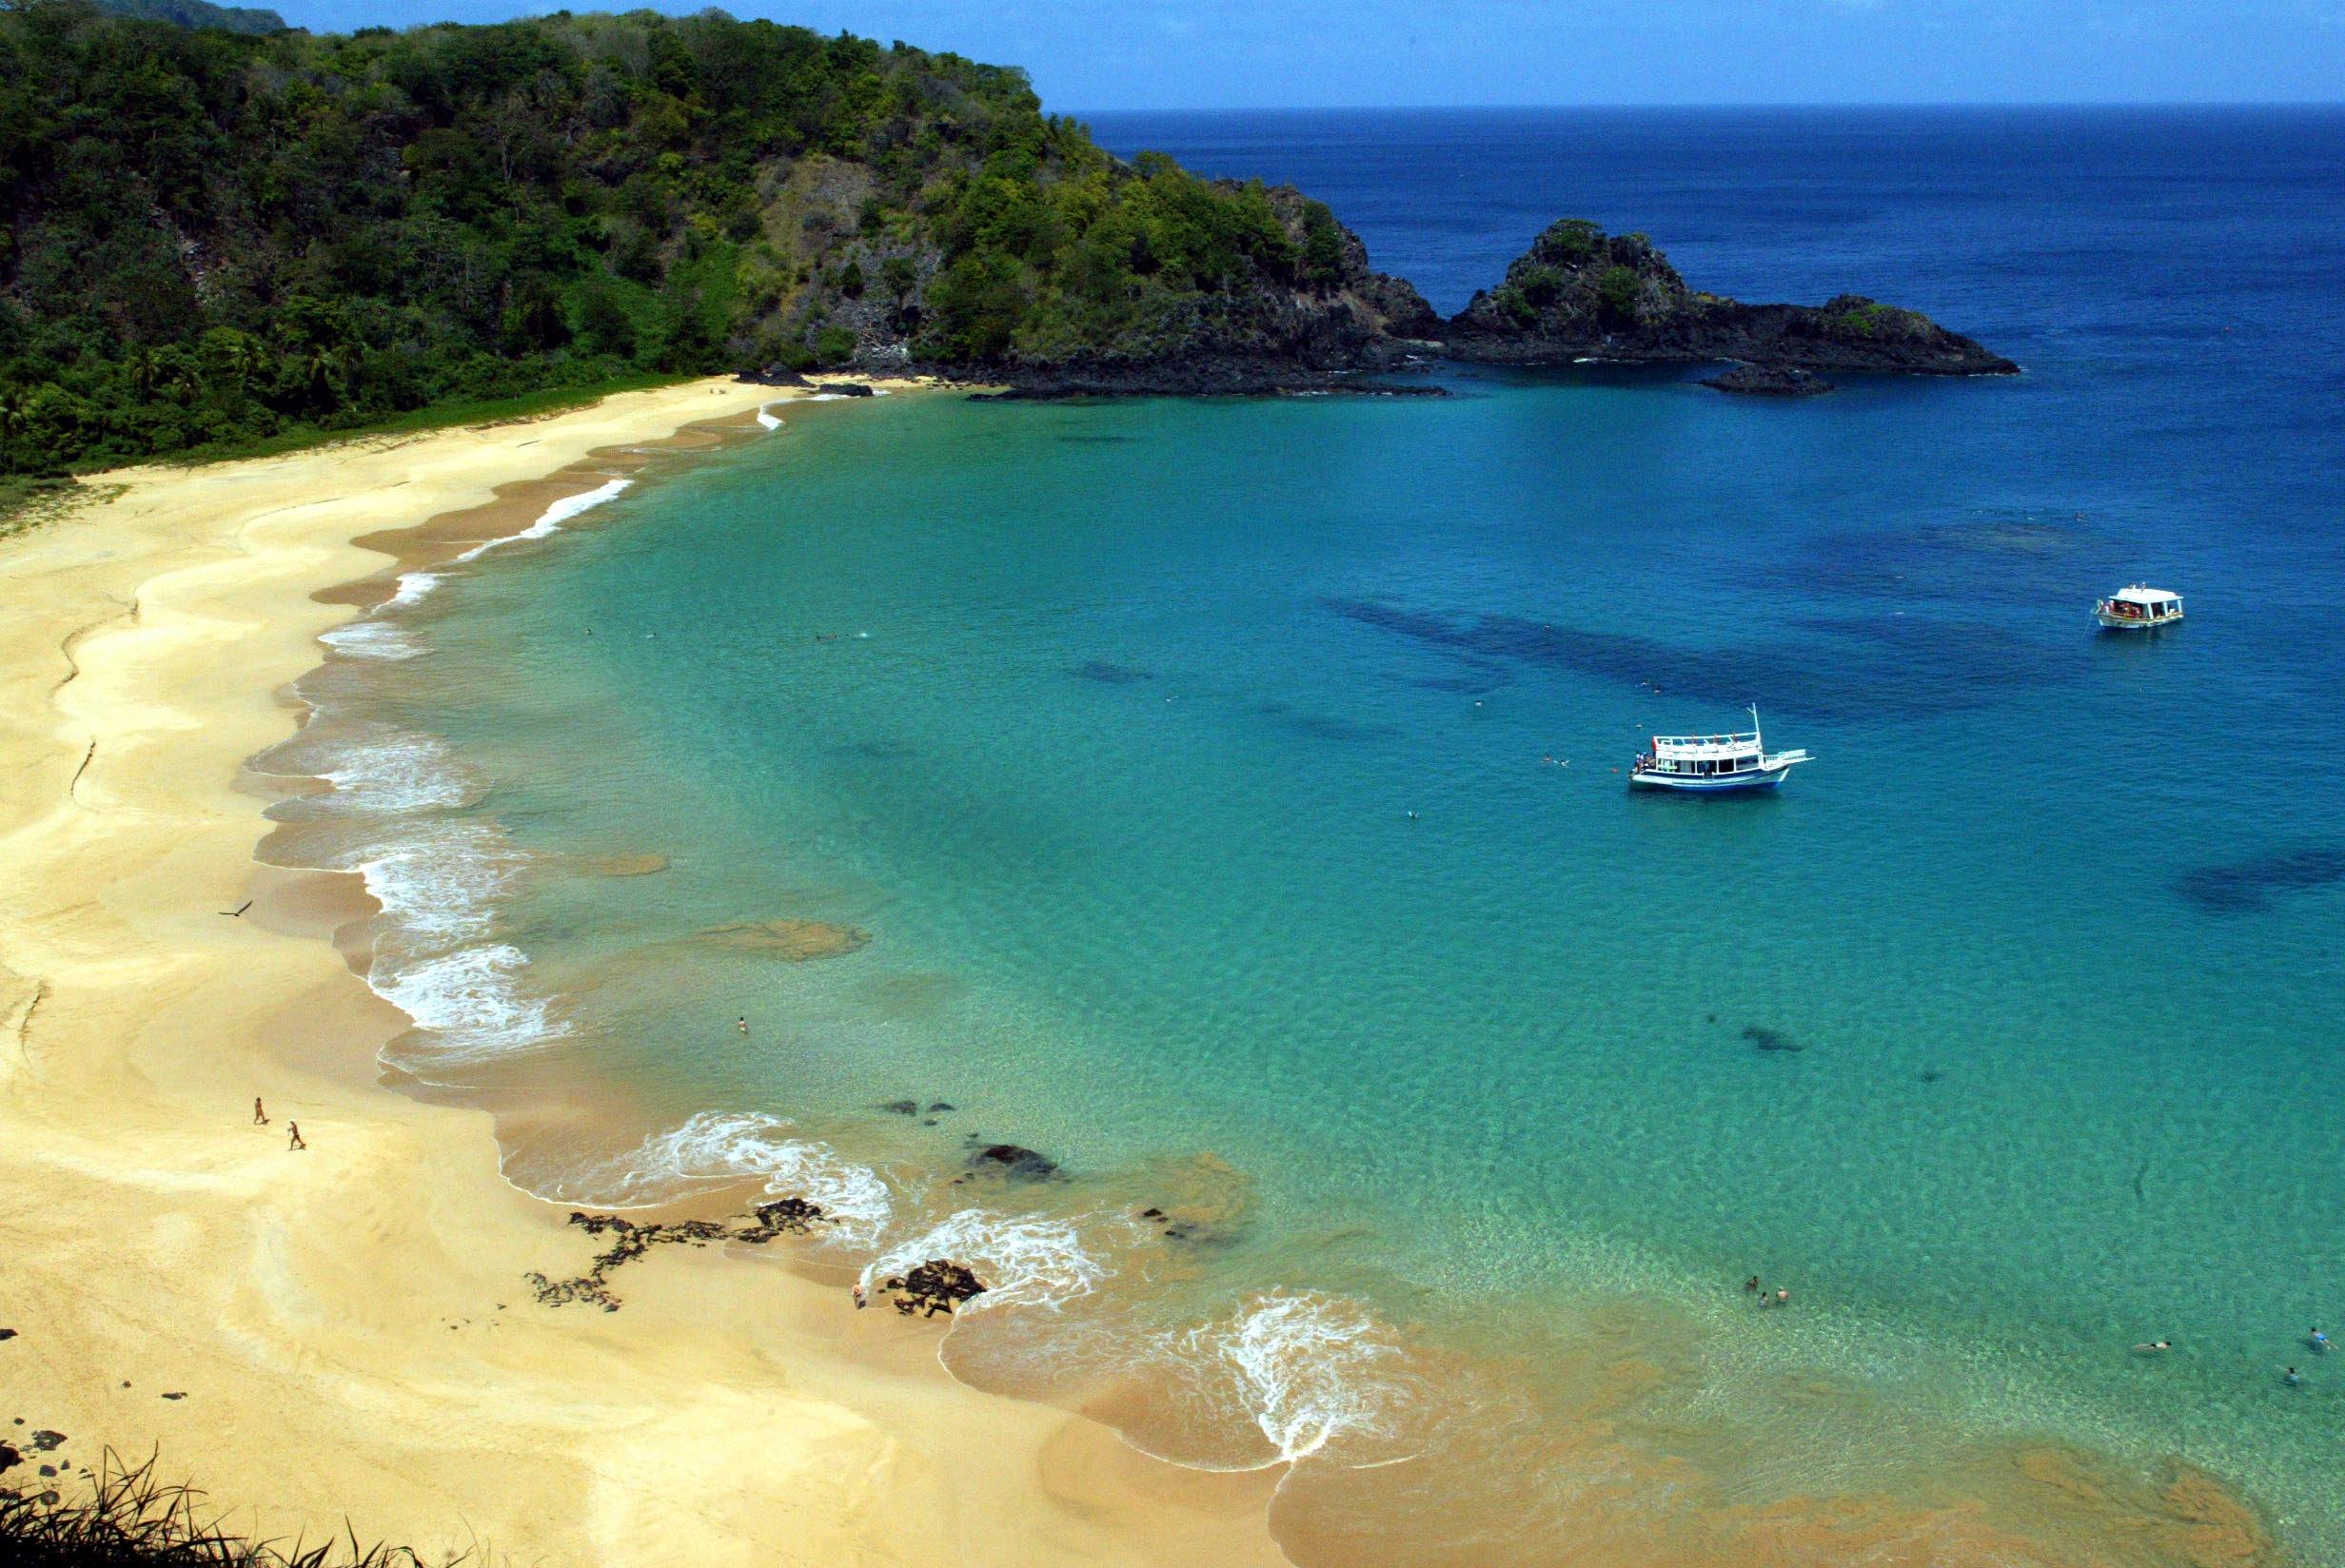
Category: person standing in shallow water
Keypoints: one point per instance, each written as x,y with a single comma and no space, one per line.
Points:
295,1127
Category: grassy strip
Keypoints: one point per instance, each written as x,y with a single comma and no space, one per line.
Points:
131,1520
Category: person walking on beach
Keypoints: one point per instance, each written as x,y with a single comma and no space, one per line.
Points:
260,1117
296,1129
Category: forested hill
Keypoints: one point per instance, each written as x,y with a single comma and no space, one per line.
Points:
196,14
208,236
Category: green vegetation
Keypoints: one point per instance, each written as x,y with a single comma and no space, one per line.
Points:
211,240
131,1520
1618,290
196,14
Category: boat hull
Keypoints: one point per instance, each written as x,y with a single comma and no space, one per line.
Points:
2134,623
1759,778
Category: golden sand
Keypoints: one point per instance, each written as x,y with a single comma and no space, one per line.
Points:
347,1326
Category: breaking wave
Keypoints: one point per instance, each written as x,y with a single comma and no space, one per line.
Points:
469,1001
440,887
382,769
1023,1261
371,637
550,521
767,419
1305,1367
714,1148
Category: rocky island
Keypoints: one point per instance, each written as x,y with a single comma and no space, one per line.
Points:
1576,295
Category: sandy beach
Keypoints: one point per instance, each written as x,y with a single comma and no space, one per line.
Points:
341,1337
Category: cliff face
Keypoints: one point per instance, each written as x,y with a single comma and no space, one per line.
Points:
1579,293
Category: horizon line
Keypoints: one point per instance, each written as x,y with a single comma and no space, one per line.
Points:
1750,106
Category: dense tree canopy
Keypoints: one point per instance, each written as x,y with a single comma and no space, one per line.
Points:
208,237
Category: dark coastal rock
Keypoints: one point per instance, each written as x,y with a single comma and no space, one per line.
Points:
176,1393
8,1333
790,1216
46,1442
1770,1039
11,1456
1759,381
938,1285
903,1108
935,1105
775,375
2246,887
1579,293
1016,1159
842,389
783,1217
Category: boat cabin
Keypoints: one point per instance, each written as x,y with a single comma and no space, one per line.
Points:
1704,757
2139,605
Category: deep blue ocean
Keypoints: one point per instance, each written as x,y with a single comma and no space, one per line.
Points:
1232,792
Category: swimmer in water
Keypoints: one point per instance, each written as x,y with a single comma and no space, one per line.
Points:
741,1024
2158,1349
2293,1378
1782,1297
1750,1286
2318,1340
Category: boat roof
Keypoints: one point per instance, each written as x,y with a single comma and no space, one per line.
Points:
2143,594
1742,744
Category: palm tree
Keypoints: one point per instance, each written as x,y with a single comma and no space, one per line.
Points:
324,366
146,367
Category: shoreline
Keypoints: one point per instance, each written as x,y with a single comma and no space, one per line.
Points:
348,1327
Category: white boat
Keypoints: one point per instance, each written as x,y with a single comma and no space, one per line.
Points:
2139,608
1706,764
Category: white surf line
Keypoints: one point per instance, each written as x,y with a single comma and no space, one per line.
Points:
555,515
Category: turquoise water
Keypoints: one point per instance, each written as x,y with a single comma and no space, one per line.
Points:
1197,770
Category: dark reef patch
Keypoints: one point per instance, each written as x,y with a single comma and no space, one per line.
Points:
1107,673
2246,887
1770,1039
1886,666
1325,726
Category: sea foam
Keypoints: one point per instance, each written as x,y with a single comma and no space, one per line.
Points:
550,521
767,419
1022,1259
1303,1366
714,1148
382,769
471,1004
439,886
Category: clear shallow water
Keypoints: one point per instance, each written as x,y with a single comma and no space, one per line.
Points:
1105,723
